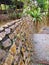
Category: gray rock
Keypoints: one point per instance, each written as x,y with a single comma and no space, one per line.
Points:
5,26
2,53
7,43
1,28
7,31
12,27
15,33
11,36
2,35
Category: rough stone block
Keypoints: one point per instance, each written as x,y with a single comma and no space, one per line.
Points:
12,27
11,36
9,60
15,33
2,53
5,26
2,35
16,25
13,49
1,29
7,30
6,43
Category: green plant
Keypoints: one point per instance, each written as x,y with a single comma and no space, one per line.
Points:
34,7
39,64
43,4
19,15
36,14
13,15
33,10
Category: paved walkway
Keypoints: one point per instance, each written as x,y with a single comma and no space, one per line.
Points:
41,47
44,30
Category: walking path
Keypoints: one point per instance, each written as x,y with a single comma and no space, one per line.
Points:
41,47
44,30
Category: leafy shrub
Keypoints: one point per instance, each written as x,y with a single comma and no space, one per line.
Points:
15,15
12,15
35,14
36,10
19,15
43,4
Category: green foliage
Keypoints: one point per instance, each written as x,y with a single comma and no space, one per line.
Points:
36,10
19,15
14,1
3,7
43,4
12,6
12,15
36,15
39,64
15,15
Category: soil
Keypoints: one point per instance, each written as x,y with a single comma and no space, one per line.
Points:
4,22
4,19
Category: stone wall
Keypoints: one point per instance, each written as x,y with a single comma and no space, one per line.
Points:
15,41
21,50
7,35
7,32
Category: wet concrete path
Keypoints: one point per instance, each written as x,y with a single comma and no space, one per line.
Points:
41,47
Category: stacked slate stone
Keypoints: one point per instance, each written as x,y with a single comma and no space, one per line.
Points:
19,48
7,35
24,47
21,52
